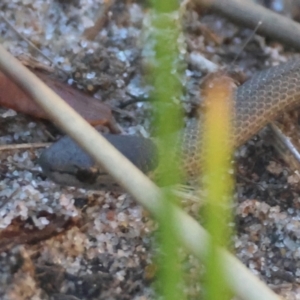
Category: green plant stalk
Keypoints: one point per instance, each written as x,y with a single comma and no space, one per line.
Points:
167,88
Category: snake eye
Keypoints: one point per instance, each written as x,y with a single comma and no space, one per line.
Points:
87,176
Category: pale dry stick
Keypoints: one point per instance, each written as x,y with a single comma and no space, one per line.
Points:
8,199
185,192
202,63
191,234
91,32
24,146
285,140
246,43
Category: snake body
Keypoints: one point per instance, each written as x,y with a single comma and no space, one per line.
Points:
257,102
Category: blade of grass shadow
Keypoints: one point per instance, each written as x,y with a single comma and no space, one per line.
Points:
217,181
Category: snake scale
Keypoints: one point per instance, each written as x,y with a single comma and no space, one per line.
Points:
256,102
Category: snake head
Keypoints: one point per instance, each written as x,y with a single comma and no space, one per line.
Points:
66,163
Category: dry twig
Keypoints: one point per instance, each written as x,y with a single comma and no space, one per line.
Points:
33,46
24,146
91,32
249,14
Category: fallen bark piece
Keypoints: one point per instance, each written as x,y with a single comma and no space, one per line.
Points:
96,113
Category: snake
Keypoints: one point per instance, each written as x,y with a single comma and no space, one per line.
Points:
256,102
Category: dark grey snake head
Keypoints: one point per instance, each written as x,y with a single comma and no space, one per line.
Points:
67,164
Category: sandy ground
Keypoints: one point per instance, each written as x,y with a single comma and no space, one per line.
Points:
66,243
